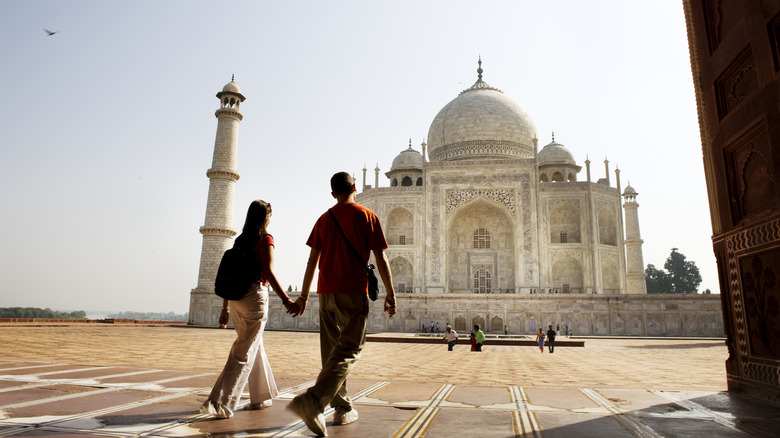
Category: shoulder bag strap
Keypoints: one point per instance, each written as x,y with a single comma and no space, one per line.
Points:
354,251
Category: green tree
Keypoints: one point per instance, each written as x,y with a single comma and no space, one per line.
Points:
684,273
658,281
679,276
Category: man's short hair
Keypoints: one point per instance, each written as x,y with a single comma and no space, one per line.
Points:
341,183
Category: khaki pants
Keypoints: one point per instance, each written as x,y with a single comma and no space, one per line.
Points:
342,336
247,361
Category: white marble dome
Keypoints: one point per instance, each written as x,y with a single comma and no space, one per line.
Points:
231,87
408,159
555,153
481,123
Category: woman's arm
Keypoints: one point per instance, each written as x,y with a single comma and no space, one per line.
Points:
267,263
224,315
308,277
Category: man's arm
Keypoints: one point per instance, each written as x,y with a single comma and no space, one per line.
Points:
308,277
383,266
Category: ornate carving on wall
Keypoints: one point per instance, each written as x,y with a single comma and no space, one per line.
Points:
456,197
753,326
751,182
736,83
557,254
604,204
437,219
552,203
481,149
488,268
403,253
605,255
411,207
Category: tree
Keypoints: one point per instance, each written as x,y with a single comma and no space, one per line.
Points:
680,276
658,281
684,273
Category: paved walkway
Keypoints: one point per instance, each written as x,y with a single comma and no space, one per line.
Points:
149,381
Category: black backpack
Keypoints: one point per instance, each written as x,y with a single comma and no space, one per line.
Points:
238,270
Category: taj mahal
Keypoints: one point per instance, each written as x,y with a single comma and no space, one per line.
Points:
485,227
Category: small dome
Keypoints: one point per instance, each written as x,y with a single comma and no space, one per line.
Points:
629,191
232,89
408,159
555,153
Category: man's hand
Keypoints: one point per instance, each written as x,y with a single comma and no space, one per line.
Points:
224,317
390,305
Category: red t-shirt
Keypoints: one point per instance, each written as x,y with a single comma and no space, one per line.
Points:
267,240
340,270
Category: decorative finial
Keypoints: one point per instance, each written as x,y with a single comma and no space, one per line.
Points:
233,78
553,135
410,142
479,70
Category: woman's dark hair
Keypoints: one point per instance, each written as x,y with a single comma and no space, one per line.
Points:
257,214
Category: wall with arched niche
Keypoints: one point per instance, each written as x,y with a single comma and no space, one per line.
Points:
607,227
565,220
610,276
463,260
399,227
403,274
567,270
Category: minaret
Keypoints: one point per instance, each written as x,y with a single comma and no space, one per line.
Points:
635,265
376,179
218,230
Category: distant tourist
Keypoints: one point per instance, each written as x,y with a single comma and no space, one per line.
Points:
247,361
506,330
437,327
450,337
551,339
479,336
540,340
566,328
473,339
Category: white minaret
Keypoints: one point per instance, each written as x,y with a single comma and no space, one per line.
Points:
635,265
218,229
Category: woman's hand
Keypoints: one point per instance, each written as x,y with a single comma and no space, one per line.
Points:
224,317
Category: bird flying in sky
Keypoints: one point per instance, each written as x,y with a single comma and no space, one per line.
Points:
50,33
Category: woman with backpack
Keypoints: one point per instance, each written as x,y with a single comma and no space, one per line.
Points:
247,362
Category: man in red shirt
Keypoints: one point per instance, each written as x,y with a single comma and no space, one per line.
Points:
342,287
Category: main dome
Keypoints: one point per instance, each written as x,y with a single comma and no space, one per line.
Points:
481,123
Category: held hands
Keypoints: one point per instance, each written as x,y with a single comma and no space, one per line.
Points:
298,307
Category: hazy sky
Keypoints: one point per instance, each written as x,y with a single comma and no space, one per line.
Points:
108,125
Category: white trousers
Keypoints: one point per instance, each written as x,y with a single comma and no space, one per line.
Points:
247,362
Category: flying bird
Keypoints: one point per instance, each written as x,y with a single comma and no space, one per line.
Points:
50,33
